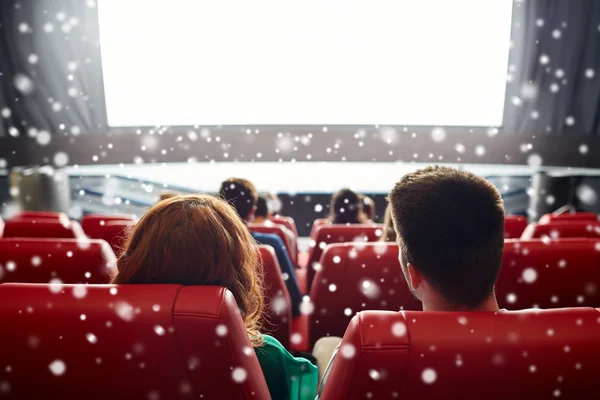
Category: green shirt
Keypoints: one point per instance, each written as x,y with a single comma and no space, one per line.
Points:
288,377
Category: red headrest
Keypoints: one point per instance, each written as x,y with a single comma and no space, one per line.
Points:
126,341
93,224
67,260
43,228
563,229
577,216
514,225
278,305
317,222
356,277
549,274
1,227
460,355
288,222
338,233
42,215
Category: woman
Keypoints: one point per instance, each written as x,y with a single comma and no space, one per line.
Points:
200,240
346,208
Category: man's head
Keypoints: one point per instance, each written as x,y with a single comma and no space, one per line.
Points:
241,195
450,228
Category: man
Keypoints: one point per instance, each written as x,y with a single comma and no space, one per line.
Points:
450,229
242,196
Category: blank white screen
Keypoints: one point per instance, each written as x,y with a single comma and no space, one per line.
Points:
353,62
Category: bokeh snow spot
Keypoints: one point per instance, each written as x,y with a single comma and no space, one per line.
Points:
57,367
239,375
399,329
221,330
347,351
529,275
428,376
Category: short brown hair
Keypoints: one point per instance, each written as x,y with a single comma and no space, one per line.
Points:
450,226
241,194
196,240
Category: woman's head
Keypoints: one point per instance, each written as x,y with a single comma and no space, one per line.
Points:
346,208
196,240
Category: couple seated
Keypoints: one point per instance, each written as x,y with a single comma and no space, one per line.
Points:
449,226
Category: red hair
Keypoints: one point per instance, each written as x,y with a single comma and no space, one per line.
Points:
196,240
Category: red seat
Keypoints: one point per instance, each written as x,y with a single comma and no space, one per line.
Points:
549,274
316,223
115,233
288,222
93,224
1,227
577,216
355,278
43,228
514,225
275,229
64,260
530,354
126,341
563,229
42,215
278,305
337,233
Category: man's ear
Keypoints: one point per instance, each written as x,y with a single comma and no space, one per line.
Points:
415,277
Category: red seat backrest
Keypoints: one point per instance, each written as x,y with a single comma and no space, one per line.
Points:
126,341
576,216
530,354
93,224
275,229
42,215
563,229
356,277
337,233
288,222
43,228
115,233
1,227
514,225
316,223
63,260
549,274
278,305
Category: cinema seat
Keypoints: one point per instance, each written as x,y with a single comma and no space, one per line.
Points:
278,305
42,215
288,222
333,233
563,229
576,216
316,223
549,274
43,228
275,229
114,232
64,260
126,341
514,225
530,354
1,227
354,278
93,224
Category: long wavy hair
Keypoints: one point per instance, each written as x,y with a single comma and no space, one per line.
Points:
197,240
346,208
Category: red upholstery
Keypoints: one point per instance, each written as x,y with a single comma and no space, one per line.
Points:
333,233
126,341
514,225
93,224
278,305
43,228
563,229
42,215
288,222
364,277
549,274
528,354
275,229
115,233
1,227
68,260
578,216
316,223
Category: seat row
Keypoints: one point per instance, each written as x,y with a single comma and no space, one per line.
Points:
171,342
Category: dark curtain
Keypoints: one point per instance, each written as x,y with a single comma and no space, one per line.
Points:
554,72
50,68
